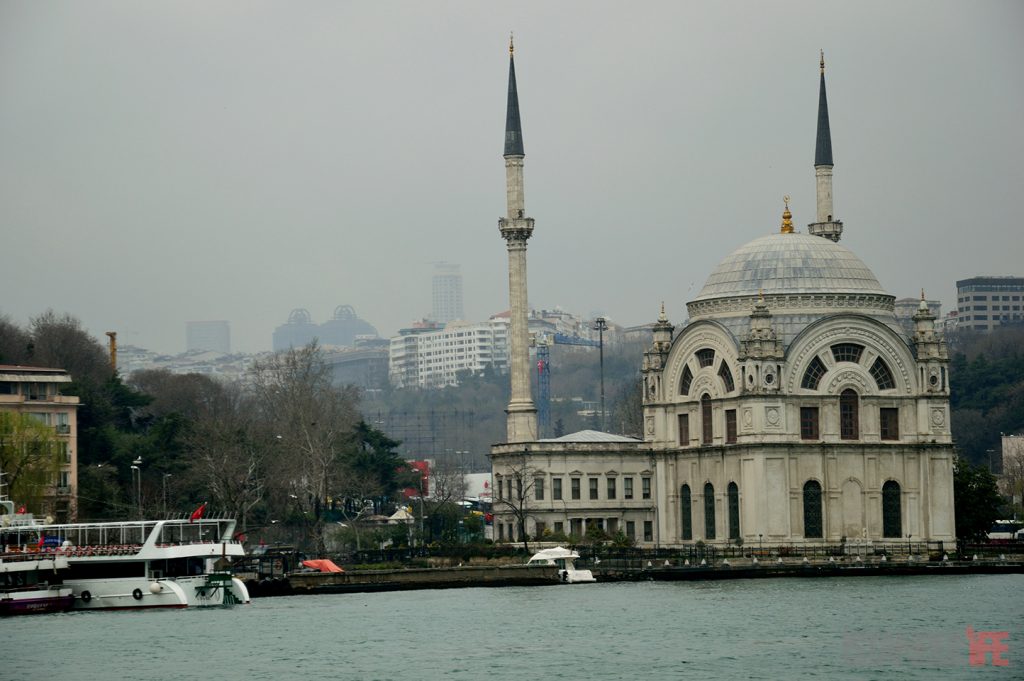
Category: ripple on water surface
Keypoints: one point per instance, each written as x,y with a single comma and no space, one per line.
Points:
863,628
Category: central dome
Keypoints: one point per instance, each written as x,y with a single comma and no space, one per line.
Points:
789,263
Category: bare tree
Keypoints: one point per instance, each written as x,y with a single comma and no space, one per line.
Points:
294,394
519,479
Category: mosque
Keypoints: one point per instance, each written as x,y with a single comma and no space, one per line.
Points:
791,407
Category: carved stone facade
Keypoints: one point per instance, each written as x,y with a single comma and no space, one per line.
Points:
841,431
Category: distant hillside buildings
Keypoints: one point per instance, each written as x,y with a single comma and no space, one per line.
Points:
341,330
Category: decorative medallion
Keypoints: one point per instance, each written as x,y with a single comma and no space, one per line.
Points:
938,417
650,425
771,415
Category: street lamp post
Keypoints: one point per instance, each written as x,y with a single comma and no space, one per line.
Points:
166,475
600,324
137,479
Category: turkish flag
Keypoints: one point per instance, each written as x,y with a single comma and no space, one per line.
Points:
21,510
198,513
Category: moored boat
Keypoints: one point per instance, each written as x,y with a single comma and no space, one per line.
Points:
31,583
565,560
138,564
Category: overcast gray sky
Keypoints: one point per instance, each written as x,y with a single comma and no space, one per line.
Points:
162,162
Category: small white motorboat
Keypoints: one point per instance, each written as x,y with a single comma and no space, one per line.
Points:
565,560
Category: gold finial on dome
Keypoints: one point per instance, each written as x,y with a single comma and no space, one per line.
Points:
823,62
787,217
511,47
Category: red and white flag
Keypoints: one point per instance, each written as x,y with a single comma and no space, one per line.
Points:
21,510
198,513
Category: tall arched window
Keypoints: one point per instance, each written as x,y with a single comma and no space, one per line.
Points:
687,511
685,381
812,510
892,516
709,511
705,419
849,418
734,511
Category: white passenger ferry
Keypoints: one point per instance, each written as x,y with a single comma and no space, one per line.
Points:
138,564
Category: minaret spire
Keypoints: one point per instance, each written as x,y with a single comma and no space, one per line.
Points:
826,225
516,229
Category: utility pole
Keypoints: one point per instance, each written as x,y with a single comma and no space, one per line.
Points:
600,324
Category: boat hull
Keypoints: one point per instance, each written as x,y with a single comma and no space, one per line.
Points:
37,602
133,593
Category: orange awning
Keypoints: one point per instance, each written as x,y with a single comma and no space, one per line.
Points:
323,565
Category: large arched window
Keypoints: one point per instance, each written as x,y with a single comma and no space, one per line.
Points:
687,511
883,376
709,511
892,516
734,511
705,419
812,510
725,373
812,375
849,415
685,381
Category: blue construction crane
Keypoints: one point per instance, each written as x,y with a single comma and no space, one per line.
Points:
543,345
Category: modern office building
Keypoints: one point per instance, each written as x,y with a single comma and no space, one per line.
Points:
447,293
984,303
208,336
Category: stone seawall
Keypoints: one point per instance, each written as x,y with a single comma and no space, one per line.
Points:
398,580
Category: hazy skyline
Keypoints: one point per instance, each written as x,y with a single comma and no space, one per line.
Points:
167,162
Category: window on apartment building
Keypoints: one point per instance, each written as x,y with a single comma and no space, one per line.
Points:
593,488
686,509
519,488
575,483
501,532
613,525
576,527
730,426
631,529
538,489
684,430
808,423
559,527
627,488
8,388
889,423
538,530
499,488
611,488
556,489
648,530
645,487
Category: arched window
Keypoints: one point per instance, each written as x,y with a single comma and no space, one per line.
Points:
882,374
849,417
687,511
892,517
812,376
705,419
709,511
685,381
812,510
734,511
726,375
847,352
705,357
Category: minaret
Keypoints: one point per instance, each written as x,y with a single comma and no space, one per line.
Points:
516,229
826,225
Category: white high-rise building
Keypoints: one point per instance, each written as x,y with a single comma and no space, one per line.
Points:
447,293
434,359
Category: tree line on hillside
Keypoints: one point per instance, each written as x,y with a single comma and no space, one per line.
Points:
285,454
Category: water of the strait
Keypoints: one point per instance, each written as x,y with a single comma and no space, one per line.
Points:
828,628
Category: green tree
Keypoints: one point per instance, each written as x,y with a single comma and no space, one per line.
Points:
977,502
30,458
